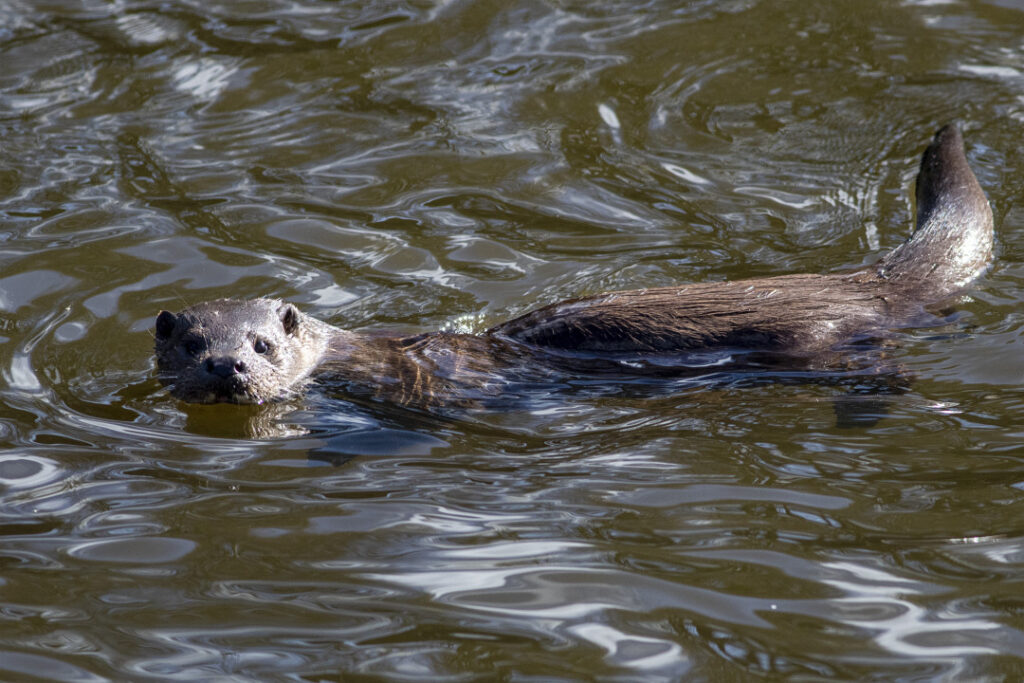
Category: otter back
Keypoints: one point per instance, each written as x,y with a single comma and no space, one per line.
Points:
951,245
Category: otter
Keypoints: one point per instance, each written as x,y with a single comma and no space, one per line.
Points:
266,350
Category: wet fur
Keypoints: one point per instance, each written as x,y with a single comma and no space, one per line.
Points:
791,316
798,314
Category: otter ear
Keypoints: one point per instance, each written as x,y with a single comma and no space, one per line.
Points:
165,323
289,318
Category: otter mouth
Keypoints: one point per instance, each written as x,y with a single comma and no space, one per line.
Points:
230,389
229,394
216,394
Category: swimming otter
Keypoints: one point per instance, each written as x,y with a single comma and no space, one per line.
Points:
261,350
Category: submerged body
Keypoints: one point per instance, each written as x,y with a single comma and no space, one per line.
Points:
259,350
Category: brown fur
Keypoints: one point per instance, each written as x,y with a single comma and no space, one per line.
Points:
254,351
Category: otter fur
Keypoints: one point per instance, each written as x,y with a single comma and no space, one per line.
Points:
262,350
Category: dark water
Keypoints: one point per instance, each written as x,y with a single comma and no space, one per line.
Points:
419,165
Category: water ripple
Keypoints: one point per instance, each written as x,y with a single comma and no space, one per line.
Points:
411,166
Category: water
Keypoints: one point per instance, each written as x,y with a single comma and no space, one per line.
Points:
414,166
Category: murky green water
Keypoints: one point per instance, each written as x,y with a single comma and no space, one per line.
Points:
418,165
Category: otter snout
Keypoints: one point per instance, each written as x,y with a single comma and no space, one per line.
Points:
225,366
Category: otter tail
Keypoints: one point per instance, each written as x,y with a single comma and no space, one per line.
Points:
952,243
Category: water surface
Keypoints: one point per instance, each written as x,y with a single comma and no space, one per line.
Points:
422,165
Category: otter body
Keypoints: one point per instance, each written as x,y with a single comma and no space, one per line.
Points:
260,350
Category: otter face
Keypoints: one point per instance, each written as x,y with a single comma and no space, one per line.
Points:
230,351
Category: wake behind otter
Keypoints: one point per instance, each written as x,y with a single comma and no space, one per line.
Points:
261,350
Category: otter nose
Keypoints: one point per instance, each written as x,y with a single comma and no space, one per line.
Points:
225,366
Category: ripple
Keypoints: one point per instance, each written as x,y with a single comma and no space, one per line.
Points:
877,599
205,79
23,289
27,471
27,665
134,551
406,166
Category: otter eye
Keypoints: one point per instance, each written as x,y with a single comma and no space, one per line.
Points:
260,346
193,347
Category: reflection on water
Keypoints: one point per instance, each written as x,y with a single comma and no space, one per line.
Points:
419,166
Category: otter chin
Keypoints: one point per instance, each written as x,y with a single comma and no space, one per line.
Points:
260,350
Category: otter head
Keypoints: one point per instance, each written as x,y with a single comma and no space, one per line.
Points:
236,351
